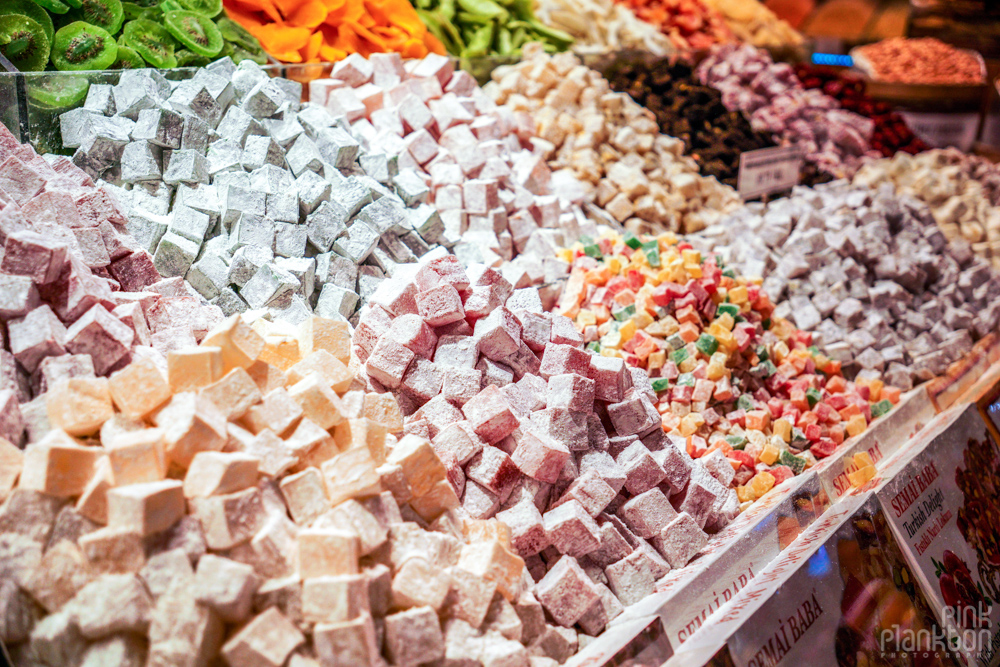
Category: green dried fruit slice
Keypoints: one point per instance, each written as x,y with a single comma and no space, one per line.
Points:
187,58
151,41
209,8
240,54
242,40
23,42
80,46
128,59
54,6
33,12
194,31
57,91
132,10
107,14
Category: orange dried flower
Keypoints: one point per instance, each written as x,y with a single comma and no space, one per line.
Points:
311,31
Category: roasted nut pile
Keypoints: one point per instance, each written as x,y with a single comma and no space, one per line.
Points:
713,136
603,25
833,139
565,447
737,384
962,191
890,135
638,175
690,24
927,60
870,274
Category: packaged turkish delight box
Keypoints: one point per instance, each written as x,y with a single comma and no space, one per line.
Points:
943,506
986,395
842,594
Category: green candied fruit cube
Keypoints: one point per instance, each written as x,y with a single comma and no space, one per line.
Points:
766,324
765,369
625,313
729,273
762,353
594,347
593,250
632,241
798,437
736,441
814,396
730,308
744,402
675,341
813,350
881,408
679,355
652,250
685,380
585,239
796,463
661,384
740,318
707,344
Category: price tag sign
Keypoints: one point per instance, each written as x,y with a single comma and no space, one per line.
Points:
942,130
768,170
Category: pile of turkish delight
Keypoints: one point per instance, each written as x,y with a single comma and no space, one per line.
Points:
565,447
870,273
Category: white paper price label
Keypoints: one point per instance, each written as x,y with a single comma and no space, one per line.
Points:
768,170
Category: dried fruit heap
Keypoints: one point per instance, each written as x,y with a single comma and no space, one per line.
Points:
730,377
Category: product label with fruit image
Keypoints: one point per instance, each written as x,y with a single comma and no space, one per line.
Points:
942,504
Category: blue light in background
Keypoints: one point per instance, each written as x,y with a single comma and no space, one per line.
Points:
819,564
832,59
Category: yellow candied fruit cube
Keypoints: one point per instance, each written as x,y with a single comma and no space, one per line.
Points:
769,454
874,388
651,276
642,319
615,265
715,371
725,321
738,295
762,483
656,360
727,340
691,256
690,423
667,238
745,494
780,351
782,428
565,254
861,476
694,270
626,331
611,340
585,318
688,365
856,425
610,352
862,459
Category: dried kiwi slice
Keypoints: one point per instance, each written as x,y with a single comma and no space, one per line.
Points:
194,31
81,46
187,58
240,54
209,8
151,41
32,11
23,42
132,10
54,6
127,59
57,91
241,39
107,14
